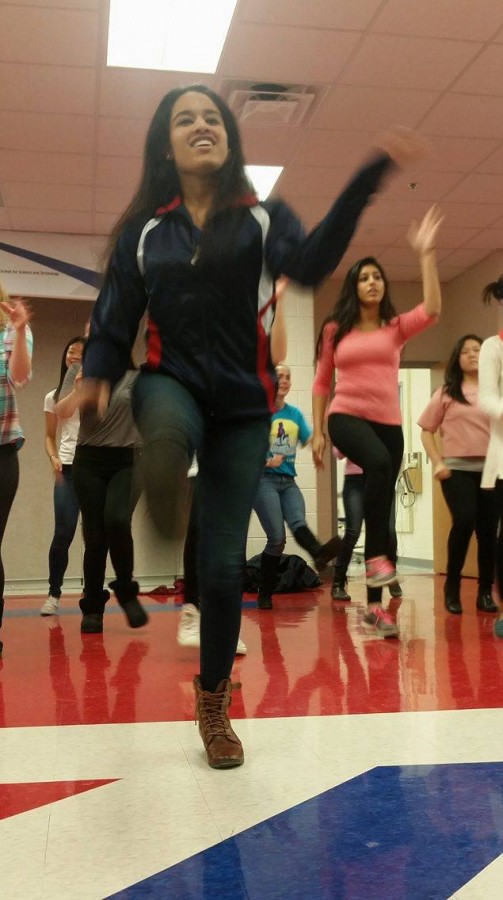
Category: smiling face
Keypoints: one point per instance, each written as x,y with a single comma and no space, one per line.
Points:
74,354
469,357
370,286
197,135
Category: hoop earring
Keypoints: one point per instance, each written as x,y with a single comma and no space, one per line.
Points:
169,156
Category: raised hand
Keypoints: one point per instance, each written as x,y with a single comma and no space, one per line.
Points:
18,312
422,237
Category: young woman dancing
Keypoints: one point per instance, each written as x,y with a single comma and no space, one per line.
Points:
362,339
197,250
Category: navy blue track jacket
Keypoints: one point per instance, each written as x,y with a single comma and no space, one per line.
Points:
209,327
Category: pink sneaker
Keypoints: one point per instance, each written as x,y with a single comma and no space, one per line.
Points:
379,571
381,620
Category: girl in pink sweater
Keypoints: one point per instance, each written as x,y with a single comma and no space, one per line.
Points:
453,411
362,339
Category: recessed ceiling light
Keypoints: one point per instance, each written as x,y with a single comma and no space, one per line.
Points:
263,178
173,35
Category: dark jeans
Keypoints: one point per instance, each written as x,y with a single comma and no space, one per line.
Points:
279,500
231,457
472,509
103,480
499,546
378,450
66,516
9,480
352,498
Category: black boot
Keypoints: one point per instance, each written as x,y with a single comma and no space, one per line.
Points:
92,613
2,604
339,583
452,600
485,602
127,595
269,566
322,554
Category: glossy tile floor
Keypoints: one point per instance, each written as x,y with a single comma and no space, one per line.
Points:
374,768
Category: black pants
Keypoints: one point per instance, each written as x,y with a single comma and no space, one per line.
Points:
231,458
353,494
472,509
190,549
378,450
9,480
103,481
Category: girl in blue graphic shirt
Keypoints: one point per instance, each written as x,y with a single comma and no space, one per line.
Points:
279,498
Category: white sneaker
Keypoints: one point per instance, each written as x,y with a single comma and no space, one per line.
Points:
188,634
50,607
188,626
241,649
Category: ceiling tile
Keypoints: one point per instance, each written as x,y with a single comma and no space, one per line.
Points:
315,14
328,147
270,146
411,62
288,55
52,36
51,168
484,75
47,89
472,214
466,256
493,163
19,195
118,171
464,115
488,238
103,223
112,200
478,188
450,19
369,109
122,137
138,92
46,132
461,155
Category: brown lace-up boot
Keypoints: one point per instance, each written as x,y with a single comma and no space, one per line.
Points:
223,747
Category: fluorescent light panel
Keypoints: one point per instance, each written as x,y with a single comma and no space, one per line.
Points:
173,35
263,178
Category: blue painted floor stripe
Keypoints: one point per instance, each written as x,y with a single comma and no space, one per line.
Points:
418,832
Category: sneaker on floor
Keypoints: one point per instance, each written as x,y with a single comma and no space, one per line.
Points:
188,626
241,649
381,620
50,607
339,591
379,571
395,589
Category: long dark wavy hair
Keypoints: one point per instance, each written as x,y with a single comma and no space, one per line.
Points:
493,291
159,181
64,368
453,379
346,312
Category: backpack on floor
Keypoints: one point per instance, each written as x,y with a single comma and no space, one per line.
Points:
294,575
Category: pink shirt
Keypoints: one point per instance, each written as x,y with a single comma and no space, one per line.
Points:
367,364
350,468
464,429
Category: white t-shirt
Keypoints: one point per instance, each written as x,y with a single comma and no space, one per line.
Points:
69,431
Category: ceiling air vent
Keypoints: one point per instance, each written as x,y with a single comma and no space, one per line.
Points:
270,104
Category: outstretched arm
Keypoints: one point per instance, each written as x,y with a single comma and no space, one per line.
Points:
422,239
20,357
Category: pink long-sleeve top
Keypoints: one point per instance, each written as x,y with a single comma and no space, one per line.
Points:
367,364
464,428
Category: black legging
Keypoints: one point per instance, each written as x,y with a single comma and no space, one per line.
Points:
378,450
472,509
9,480
103,481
